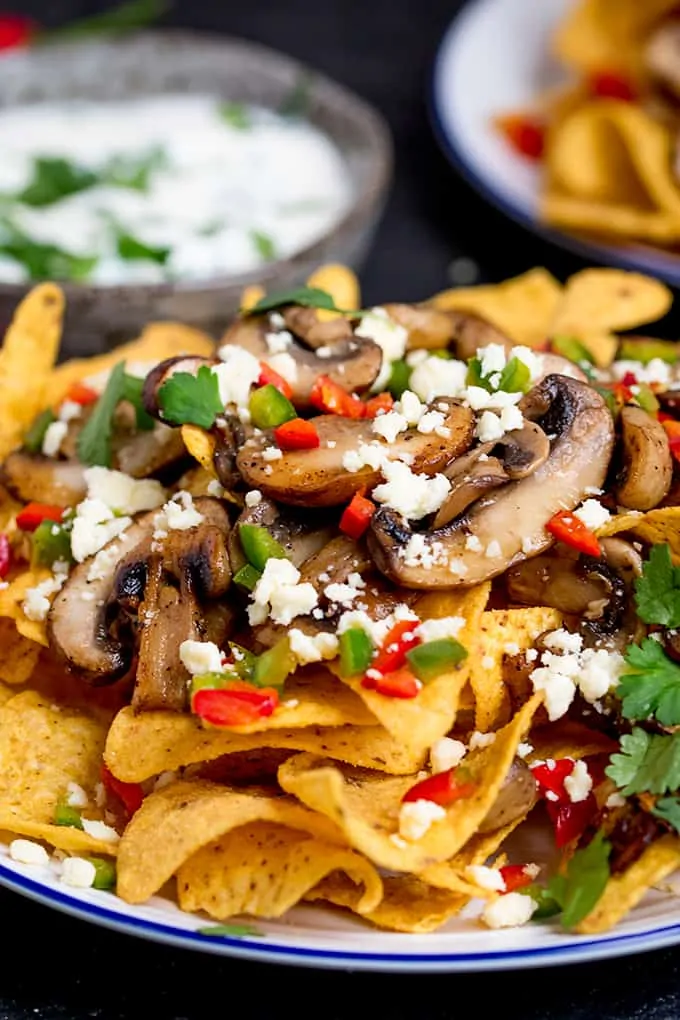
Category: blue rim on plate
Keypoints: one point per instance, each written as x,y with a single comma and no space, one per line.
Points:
654,262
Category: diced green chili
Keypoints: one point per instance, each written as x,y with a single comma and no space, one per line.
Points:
243,660
435,657
66,815
356,651
268,407
51,542
646,399
259,546
33,439
274,666
515,377
209,682
105,873
400,376
247,577
646,350
571,348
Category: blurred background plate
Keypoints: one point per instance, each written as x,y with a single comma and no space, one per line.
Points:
495,58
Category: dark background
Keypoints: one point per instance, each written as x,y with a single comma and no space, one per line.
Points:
55,967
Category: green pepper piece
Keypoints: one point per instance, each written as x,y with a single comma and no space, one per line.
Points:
244,661
571,348
247,577
209,682
646,399
474,375
105,873
441,352
400,376
51,542
268,407
547,904
66,815
274,666
356,651
645,350
259,546
435,657
515,377
33,439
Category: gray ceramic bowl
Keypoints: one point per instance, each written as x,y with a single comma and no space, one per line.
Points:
157,62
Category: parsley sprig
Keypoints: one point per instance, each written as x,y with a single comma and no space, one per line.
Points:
652,687
657,591
187,399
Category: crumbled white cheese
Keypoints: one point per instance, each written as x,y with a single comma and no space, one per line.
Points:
26,851
422,551
446,753
55,434
493,550
485,878
436,377
344,594
389,336
216,489
473,543
100,830
655,371
563,642
279,594
78,872
600,672
479,740
37,601
489,427
278,343
238,372
509,911
178,514
94,526
413,496
615,800
121,493
593,514
578,783
377,630
411,407
272,453
431,421
524,749
356,580
371,455
511,648
443,627
491,359
312,648
458,567
201,657
285,365
416,817
480,399
593,671
69,410
253,498
390,425
76,796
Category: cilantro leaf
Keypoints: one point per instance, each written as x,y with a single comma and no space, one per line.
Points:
94,442
647,763
54,179
126,17
581,886
266,248
46,261
668,809
130,248
235,114
310,297
296,104
134,172
653,685
187,399
132,391
657,592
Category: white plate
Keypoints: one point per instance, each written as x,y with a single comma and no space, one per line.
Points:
315,937
494,58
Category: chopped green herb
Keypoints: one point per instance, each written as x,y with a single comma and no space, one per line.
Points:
133,393
131,249
35,436
125,18
54,179
67,816
653,685
187,399
105,873
266,248
94,441
668,810
657,591
259,546
236,115
47,261
646,763
134,172
229,930
309,297
579,889
296,103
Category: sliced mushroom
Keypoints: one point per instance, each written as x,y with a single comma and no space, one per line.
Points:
428,327
584,587
622,557
337,559
514,800
468,486
30,477
511,527
319,477
302,535
316,332
352,363
647,462
151,452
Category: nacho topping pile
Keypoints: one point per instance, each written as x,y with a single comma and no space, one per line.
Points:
336,608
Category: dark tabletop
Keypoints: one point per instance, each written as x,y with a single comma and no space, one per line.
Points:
53,966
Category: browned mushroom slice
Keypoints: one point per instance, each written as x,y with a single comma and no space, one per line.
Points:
338,558
148,453
352,363
647,462
301,535
514,800
30,477
316,332
498,532
428,328
467,487
319,477
583,587
163,371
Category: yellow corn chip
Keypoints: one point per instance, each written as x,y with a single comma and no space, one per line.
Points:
176,821
201,446
12,598
499,629
567,738
18,656
656,527
365,805
597,34
624,891
27,357
341,283
610,299
263,869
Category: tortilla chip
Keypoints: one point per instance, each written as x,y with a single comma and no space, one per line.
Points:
27,358
498,629
656,527
618,222
19,655
365,805
201,446
625,891
176,821
143,745
610,299
12,598
43,748
341,283
408,904
264,869
418,722
568,739
522,307
607,33
603,347
9,508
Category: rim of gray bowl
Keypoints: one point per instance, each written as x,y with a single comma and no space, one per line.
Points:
328,96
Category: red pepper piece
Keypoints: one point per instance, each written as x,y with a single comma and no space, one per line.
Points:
236,705
672,430
15,30
268,376
442,788
5,555
130,794
383,402
329,397
629,379
357,516
516,876
570,819
399,640
525,134
34,514
612,85
570,529
550,778
79,393
399,684
297,434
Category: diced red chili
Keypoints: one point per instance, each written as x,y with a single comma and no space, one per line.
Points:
383,402
629,379
612,85
524,133
34,514
79,393
672,430
550,777
399,640
130,794
15,30
399,684
297,434
236,705
329,397
269,377
442,788
356,517
5,555
570,819
516,876
568,528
